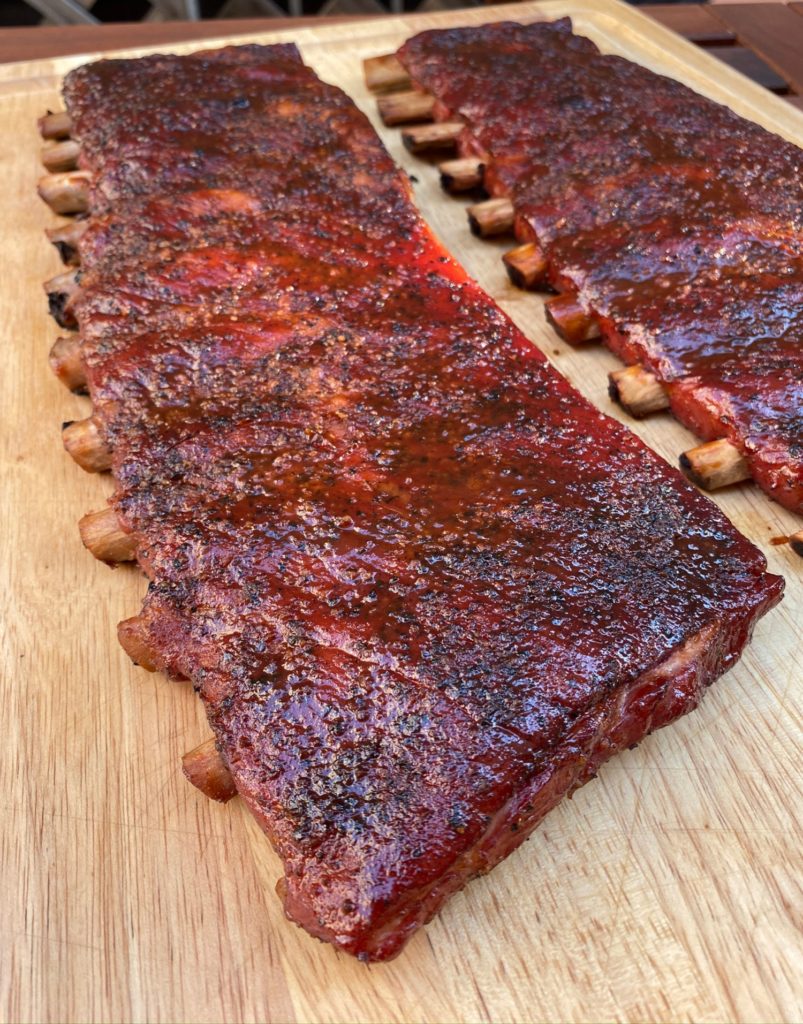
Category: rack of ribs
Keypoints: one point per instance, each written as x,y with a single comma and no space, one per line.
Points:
422,587
671,227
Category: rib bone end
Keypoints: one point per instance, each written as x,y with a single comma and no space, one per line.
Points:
406,107
796,541
135,643
570,320
66,238
440,135
66,363
83,441
491,217
385,74
61,156
638,391
56,125
714,465
205,769
60,291
103,537
461,175
526,266
67,192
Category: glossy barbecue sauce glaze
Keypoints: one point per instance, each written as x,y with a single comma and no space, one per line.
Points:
678,223
422,586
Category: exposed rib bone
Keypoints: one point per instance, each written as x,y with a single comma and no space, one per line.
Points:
102,536
796,540
440,135
56,125
526,266
714,465
134,642
638,391
204,768
84,443
570,320
406,107
66,238
61,156
67,364
67,192
385,74
60,291
461,175
491,217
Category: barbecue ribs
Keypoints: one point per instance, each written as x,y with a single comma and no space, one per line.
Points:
422,587
678,224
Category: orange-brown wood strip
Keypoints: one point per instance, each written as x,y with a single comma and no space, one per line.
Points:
695,22
750,64
773,31
43,41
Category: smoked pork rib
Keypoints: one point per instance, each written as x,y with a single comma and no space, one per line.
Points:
423,588
632,185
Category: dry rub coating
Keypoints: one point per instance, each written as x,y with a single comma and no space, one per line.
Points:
422,587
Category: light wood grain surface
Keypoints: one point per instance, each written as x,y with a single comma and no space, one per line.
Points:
667,890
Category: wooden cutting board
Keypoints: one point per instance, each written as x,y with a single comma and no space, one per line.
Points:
666,890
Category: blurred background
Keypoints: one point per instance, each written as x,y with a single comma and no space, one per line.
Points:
762,39
63,12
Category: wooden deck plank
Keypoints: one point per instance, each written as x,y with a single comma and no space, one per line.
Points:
692,21
750,64
773,31
44,41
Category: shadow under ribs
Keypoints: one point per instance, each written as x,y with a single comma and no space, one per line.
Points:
413,575
676,225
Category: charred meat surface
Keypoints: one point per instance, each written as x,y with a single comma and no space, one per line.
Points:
678,224
423,588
